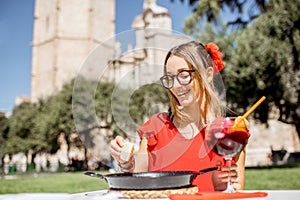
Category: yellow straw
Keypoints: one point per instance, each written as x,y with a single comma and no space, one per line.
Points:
254,107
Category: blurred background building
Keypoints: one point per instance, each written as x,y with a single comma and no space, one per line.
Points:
65,32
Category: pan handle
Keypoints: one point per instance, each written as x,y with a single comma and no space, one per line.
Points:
94,174
203,171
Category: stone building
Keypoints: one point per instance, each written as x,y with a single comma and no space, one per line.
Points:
65,31
152,38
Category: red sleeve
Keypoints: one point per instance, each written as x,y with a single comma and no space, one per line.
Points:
152,127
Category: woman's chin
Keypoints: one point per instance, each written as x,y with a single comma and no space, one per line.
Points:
187,103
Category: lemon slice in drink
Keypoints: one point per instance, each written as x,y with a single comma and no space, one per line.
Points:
240,122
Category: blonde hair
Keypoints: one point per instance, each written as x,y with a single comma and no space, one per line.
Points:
199,60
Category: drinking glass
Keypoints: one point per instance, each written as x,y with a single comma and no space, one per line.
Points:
227,136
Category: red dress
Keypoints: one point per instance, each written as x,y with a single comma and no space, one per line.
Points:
168,150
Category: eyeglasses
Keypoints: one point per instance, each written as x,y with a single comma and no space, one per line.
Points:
183,77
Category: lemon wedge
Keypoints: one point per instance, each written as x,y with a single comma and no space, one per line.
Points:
127,151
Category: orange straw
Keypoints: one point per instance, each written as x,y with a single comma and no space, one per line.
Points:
254,107
240,119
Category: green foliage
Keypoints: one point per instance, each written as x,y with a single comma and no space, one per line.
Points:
21,122
84,104
4,128
266,60
206,10
89,105
36,126
261,59
210,11
103,103
145,101
54,117
4,125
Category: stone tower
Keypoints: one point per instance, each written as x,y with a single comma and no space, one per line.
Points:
65,32
142,63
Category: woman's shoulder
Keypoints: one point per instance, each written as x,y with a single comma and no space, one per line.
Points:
155,123
161,117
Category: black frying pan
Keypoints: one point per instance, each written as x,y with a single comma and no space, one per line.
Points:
149,180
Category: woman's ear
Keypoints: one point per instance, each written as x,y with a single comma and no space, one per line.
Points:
209,74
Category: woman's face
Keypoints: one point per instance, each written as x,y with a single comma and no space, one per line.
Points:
185,94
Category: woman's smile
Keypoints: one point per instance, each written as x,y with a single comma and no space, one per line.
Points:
183,93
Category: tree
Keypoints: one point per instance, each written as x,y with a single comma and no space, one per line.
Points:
266,60
4,129
36,126
54,117
91,108
209,11
145,101
21,122
262,58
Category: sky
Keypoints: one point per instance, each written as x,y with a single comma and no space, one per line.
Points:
16,32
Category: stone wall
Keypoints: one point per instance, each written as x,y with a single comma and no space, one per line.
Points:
277,136
65,32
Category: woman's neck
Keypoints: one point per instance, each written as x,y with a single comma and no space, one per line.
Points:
192,124
193,112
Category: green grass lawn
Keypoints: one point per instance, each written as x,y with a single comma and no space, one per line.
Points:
286,178
256,179
58,183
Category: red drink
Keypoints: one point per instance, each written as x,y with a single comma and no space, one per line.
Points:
227,137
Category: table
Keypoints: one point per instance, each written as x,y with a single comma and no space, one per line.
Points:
272,195
105,195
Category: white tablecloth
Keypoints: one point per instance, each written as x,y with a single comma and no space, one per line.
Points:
105,195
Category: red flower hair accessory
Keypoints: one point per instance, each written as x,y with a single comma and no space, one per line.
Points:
216,56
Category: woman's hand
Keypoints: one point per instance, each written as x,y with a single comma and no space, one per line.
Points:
116,147
115,151
221,177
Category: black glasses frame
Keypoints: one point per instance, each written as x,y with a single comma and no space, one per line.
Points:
170,79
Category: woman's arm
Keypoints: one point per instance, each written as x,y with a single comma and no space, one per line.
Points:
237,174
141,157
240,161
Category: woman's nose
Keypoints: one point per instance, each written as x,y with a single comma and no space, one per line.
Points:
176,83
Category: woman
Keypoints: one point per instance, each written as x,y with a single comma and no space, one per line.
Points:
174,141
